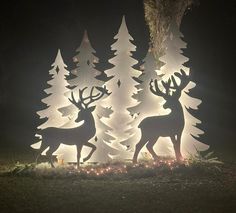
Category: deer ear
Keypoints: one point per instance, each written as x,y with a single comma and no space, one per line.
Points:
91,109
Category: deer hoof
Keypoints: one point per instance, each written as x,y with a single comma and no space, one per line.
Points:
156,158
180,159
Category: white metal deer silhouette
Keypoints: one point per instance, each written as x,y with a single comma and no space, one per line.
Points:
79,136
170,125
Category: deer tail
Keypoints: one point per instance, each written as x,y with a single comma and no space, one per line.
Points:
36,145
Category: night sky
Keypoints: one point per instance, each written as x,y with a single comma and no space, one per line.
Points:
32,31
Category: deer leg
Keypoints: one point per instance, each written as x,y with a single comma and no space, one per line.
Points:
138,148
91,152
49,156
176,143
52,149
149,146
79,148
178,148
41,149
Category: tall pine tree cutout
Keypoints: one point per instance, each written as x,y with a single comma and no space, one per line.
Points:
56,96
123,86
174,61
149,104
86,75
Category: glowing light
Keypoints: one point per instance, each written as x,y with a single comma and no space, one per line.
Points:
117,132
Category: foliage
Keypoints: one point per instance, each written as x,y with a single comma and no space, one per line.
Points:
20,168
204,161
196,164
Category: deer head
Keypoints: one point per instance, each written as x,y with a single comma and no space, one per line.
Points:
83,103
171,99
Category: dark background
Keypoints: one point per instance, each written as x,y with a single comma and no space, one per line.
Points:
32,31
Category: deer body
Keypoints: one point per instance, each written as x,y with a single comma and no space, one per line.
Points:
79,136
71,136
170,125
159,126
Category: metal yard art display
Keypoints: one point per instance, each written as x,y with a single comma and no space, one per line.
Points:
100,121
52,137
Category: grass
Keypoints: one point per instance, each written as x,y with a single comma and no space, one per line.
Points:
182,189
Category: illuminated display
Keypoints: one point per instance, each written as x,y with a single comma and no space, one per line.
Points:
142,110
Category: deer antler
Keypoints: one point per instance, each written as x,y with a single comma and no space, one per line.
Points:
73,101
184,80
96,97
166,85
157,91
103,91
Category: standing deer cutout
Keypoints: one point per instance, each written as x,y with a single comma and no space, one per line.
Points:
52,137
170,125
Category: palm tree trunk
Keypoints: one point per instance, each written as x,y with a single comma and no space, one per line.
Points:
159,14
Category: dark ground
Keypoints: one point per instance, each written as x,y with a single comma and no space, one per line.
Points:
142,195
177,192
